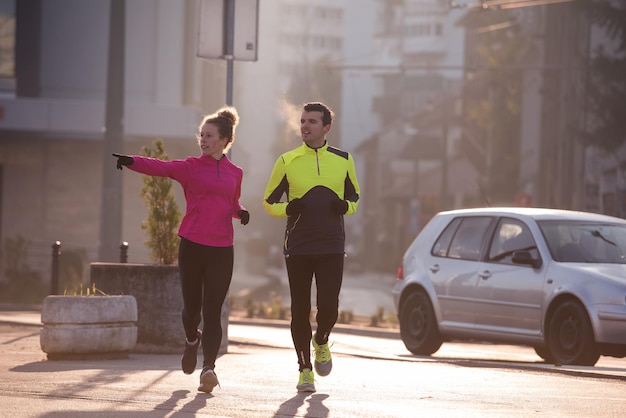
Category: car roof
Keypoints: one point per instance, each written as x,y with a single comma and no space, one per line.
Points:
536,214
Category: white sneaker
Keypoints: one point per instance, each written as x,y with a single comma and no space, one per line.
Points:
208,380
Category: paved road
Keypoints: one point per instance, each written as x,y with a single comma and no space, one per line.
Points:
374,376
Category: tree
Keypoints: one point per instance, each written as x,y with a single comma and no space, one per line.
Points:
163,213
606,87
493,99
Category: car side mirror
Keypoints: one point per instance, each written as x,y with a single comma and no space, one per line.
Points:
524,257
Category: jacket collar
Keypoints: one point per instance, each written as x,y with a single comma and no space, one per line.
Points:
306,148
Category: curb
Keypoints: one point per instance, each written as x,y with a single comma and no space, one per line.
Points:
392,334
31,316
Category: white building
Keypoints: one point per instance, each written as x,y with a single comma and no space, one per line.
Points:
53,88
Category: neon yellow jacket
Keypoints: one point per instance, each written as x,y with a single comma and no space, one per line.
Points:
317,177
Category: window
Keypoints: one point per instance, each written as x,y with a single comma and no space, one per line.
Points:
7,44
511,235
443,243
463,238
585,242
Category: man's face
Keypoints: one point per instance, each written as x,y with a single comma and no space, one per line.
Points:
312,129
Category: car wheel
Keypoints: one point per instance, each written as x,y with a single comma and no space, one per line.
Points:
418,325
544,353
570,336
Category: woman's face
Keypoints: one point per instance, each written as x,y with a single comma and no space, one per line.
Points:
210,143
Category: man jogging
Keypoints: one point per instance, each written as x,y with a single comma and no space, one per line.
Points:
321,187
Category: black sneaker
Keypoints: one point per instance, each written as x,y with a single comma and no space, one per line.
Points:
190,356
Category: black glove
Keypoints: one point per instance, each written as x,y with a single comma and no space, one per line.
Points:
294,207
245,216
340,207
123,160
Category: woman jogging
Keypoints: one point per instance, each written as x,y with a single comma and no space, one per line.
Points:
212,187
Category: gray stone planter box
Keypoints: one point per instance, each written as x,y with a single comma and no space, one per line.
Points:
88,326
159,303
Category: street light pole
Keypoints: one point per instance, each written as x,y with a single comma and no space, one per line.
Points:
229,48
444,156
111,205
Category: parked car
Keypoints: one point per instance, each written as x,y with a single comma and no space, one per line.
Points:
551,279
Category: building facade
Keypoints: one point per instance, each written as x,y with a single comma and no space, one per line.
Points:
54,103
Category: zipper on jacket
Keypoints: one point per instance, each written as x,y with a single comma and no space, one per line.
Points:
317,161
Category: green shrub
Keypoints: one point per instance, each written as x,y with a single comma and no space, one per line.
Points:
345,317
23,284
72,268
163,213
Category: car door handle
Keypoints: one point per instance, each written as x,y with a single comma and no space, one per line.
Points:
434,268
485,275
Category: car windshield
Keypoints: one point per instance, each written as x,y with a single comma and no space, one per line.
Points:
585,242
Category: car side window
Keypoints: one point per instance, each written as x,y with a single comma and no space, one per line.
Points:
443,242
511,235
462,238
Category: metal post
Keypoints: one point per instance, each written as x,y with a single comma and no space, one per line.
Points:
54,281
444,156
111,203
124,252
229,48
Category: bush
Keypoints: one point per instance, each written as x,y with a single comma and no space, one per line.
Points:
72,268
23,284
163,213
345,317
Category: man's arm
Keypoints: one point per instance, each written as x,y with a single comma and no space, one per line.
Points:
352,188
276,188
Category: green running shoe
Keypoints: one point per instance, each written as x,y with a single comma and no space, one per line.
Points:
323,362
306,381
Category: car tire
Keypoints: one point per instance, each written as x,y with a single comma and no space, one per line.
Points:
418,325
570,336
544,353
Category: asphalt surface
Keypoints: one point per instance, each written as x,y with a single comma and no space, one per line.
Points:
257,376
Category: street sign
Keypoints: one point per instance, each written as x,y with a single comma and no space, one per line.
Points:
216,21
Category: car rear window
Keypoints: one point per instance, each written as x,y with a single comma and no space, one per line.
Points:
462,238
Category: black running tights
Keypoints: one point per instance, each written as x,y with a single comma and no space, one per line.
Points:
328,271
205,275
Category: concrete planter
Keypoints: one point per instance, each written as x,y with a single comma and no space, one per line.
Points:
159,303
88,326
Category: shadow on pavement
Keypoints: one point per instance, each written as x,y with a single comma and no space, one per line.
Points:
316,408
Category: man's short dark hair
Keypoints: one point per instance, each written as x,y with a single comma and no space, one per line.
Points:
327,113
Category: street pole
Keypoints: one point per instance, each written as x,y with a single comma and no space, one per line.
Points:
111,205
444,156
229,48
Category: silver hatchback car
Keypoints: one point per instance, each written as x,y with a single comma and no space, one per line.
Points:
551,279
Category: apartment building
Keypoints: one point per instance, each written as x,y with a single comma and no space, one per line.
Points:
54,104
54,82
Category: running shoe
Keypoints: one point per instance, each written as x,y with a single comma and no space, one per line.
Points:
208,380
306,381
323,362
190,356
